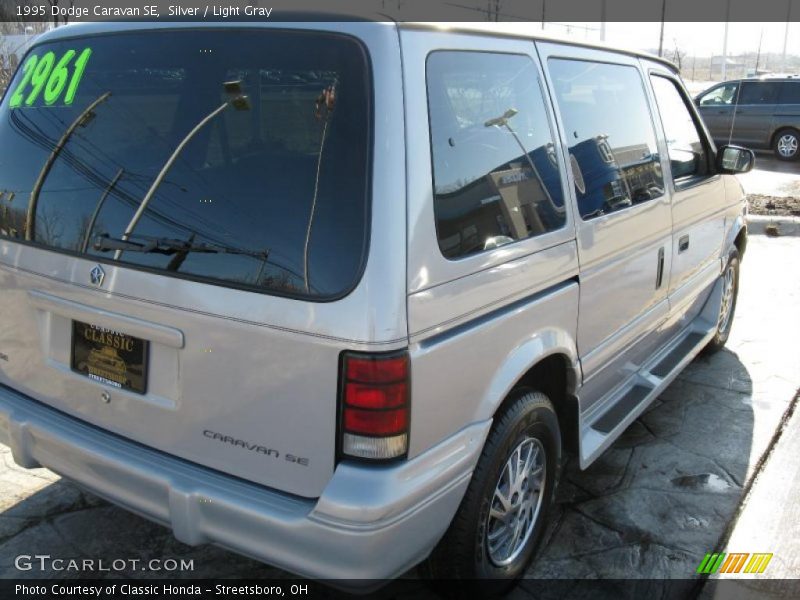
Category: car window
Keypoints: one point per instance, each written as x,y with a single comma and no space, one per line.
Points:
789,92
264,136
687,153
758,92
610,134
722,95
495,171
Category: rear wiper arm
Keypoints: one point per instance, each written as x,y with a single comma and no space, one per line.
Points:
164,245
105,243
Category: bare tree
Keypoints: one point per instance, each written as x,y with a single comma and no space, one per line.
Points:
56,19
678,55
49,228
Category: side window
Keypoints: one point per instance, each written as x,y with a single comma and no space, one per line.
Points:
495,173
687,153
790,92
607,122
757,92
724,95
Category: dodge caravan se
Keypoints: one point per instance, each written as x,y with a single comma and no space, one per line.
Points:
340,296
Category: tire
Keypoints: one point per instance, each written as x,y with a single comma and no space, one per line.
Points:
786,144
528,425
727,309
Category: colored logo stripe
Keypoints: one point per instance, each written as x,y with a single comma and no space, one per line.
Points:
758,563
711,563
734,562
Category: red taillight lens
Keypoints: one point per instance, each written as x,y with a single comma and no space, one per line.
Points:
375,406
369,396
375,422
376,370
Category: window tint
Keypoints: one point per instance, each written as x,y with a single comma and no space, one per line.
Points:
723,95
495,171
269,190
790,93
687,154
757,92
612,142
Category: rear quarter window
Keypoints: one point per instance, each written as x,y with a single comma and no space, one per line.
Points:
495,172
264,136
789,93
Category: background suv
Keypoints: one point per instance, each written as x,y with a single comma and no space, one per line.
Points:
758,113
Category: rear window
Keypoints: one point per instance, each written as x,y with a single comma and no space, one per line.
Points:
790,93
234,157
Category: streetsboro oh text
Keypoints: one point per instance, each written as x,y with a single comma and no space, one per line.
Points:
175,10
126,589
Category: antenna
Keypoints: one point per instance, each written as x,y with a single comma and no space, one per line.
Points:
735,109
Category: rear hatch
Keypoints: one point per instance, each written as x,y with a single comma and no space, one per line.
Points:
181,212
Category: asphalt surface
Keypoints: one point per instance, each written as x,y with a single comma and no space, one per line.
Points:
651,507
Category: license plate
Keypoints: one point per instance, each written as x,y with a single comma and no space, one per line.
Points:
109,357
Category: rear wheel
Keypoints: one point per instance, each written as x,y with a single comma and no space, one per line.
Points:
503,514
787,144
727,308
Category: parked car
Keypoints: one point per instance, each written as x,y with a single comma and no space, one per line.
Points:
757,113
379,278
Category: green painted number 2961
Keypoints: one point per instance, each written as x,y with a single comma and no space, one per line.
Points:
49,77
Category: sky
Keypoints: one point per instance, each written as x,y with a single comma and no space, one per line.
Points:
700,39
693,39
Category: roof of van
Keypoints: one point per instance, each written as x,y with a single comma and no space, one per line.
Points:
522,30
530,31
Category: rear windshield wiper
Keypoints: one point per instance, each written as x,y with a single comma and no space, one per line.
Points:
168,246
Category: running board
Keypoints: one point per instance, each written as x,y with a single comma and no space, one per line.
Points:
625,404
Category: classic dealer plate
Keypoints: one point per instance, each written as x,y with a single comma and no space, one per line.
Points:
109,357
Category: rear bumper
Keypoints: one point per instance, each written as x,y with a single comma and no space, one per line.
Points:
369,523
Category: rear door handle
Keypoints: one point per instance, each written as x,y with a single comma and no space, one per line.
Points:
683,243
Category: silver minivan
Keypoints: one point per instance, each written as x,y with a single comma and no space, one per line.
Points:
341,296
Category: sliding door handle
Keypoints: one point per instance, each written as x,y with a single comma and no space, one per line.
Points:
683,243
660,268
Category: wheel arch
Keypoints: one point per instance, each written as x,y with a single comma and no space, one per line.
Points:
551,368
735,237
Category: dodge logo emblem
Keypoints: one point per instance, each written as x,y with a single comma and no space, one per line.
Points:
97,275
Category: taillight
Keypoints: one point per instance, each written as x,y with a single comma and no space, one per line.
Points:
375,405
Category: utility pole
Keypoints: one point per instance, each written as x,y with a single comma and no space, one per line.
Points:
544,13
725,41
602,20
786,33
758,54
661,37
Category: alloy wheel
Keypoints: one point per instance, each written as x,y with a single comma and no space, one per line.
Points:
516,502
787,145
728,289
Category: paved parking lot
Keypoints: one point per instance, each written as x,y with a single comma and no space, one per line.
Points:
650,507
772,177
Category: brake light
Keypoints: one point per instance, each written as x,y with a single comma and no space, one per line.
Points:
375,405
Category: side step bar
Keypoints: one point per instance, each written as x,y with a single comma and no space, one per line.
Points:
630,401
